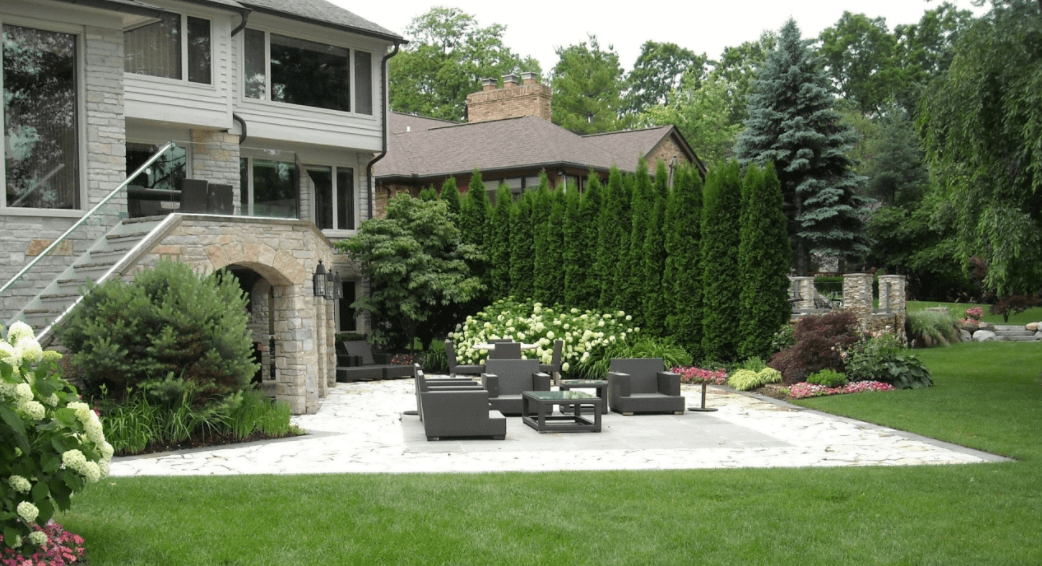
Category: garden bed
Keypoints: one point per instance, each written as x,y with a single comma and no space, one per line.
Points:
201,440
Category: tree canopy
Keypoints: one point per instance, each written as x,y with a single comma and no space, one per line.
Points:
658,72
587,88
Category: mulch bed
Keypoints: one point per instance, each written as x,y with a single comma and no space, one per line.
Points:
201,440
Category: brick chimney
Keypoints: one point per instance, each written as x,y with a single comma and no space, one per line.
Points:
512,101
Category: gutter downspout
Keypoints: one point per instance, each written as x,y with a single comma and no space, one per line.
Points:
386,127
245,14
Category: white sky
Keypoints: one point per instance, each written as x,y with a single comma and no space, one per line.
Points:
536,27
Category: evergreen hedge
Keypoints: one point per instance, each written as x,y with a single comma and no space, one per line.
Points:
684,263
721,211
499,249
522,249
653,301
588,286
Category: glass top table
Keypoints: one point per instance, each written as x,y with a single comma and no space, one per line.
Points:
599,385
537,411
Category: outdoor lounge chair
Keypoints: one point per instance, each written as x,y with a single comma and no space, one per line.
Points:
423,385
450,412
554,367
505,351
362,365
506,379
454,368
641,385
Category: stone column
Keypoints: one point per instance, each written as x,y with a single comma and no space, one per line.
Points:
329,349
320,342
805,286
895,297
295,347
215,158
857,297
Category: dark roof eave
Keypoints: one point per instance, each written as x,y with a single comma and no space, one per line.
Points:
538,166
149,11
359,31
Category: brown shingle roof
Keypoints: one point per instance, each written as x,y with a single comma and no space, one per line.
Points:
402,123
322,13
513,143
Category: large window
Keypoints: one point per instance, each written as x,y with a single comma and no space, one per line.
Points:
41,147
347,319
285,69
334,205
156,49
268,188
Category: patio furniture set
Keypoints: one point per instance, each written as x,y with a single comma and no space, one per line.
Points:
463,407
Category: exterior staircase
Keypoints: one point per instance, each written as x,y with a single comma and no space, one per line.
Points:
1012,333
125,241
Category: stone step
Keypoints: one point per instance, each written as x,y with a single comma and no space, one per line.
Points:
123,242
1018,338
58,300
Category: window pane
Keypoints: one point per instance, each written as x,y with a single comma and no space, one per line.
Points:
154,49
310,74
345,189
363,83
255,81
323,181
274,189
198,50
244,186
40,123
347,314
164,173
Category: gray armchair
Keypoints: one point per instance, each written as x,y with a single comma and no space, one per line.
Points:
505,380
555,362
423,385
454,368
505,351
641,385
457,412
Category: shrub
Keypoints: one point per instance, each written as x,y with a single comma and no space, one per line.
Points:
828,378
820,343
51,443
1013,304
784,338
754,364
884,359
436,359
169,319
744,379
599,362
931,328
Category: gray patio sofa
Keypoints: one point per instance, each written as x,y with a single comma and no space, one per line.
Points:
641,385
359,364
505,380
458,412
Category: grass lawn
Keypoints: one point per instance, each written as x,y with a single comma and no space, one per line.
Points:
1030,315
987,395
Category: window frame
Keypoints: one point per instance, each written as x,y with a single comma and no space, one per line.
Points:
79,34
184,55
266,98
274,156
334,169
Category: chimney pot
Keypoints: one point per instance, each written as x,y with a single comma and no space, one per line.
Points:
488,84
509,81
529,78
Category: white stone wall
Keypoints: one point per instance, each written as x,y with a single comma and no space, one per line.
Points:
215,158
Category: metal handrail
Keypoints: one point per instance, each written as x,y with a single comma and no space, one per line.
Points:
84,218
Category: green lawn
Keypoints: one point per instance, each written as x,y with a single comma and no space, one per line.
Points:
987,395
959,309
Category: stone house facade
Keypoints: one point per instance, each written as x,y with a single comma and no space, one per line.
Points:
279,106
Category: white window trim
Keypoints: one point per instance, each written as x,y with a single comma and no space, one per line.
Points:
183,81
250,156
81,122
267,101
338,231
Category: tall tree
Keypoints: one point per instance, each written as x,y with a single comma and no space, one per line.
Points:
612,237
499,251
793,124
590,278
860,57
721,213
894,159
542,205
450,194
763,263
683,279
574,264
738,68
925,49
555,247
652,299
642,206
473,224
657,73
982,122
700,109
448,55
522,251
586,85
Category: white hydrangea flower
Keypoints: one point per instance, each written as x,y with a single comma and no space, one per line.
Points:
19,331
9,354
575,310
17,541
629,317
38,538
94,431
564,366
52,400
622,336
24,392
33,409
77,405
51,356
74,459
620,313
27,511
19,484
106,450
600,323
29,349
586,356
550,334
520,335
92,472
104,465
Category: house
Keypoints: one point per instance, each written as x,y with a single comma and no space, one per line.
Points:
275,111
510,139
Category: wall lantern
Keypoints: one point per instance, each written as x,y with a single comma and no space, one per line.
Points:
330,286
338,286
319,280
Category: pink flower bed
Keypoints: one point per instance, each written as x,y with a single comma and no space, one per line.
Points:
802,390
61,548
698,376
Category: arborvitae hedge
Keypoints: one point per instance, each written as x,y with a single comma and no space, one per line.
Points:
499,250
652,300
642,205
428,194
450,194
574,266
522,250
555,247
763,262
541,207
721,213
618,270
589,281
474,216
609,239
683,241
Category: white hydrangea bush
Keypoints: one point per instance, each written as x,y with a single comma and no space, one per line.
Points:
584,333
51,443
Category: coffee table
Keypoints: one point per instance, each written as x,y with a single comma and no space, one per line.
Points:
543,403
599,385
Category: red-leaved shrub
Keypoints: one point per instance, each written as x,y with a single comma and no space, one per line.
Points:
821,342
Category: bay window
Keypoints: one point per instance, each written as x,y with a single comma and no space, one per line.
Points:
40,118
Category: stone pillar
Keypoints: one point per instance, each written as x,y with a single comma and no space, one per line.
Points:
857,297
320,342
895,297
805,286
215,158
329,349
295,347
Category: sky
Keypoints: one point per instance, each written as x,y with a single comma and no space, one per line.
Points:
537,27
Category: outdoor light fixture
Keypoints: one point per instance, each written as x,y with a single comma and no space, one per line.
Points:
319,280
338,286
330,286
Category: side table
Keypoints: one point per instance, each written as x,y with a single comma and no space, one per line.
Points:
600,385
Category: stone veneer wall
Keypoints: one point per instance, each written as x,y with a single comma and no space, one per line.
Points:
857,297
665,150
21,236
215,158
509,102
286,253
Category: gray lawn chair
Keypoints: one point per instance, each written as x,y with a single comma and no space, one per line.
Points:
554,367
641,385
362,365
456,369
506,351
505,380
423,385
451,412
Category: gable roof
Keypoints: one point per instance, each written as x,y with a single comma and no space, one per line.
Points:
437,149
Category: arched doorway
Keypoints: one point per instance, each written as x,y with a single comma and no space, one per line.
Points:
260,308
